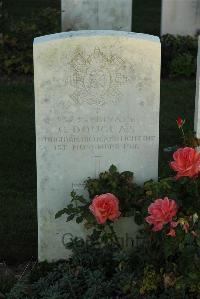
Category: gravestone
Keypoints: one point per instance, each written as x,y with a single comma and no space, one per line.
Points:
96,104
96,15
180,17
197,101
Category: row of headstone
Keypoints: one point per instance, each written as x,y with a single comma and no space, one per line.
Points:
96,15
97,96
179,17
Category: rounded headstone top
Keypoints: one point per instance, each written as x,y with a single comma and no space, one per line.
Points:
96,33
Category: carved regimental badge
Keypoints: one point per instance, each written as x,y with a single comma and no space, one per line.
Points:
98,78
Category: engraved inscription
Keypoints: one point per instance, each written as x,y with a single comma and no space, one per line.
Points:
97,133
76,144
98,78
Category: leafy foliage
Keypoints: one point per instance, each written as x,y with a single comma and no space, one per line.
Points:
108,272
163,266
122,186
90,274
16,47
183,66
179,54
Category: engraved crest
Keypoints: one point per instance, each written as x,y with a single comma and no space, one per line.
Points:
98,78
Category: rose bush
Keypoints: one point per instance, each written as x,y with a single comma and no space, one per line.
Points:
166,263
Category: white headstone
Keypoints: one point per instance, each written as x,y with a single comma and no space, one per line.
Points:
197,101
97,104
96,15
180,17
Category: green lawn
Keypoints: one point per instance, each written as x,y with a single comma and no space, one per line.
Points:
18,228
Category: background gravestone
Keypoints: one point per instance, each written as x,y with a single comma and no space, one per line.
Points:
180,17
96,14
197,101
97,103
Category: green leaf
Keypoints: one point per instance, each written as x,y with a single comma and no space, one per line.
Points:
128,174
60,213
113,169
79,219
70,217
81,199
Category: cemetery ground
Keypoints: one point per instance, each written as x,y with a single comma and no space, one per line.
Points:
18,164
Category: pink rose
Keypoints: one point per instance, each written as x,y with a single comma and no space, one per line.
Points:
161,212
186,162
105,207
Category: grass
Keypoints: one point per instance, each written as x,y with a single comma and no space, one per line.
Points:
17,136
177,99
18,230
